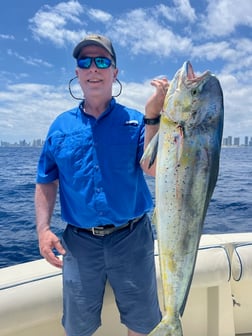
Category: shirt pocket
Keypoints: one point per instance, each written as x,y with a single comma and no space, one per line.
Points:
70,151
121,147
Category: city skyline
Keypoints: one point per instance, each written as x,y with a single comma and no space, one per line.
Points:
226,141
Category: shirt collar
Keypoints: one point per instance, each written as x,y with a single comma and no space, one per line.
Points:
104,113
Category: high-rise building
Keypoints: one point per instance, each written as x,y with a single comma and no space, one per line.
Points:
237,141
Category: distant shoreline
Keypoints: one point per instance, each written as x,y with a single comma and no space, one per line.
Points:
40,146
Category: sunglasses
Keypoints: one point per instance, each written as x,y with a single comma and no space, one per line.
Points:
100,62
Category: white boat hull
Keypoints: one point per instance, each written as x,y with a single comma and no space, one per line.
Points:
219,302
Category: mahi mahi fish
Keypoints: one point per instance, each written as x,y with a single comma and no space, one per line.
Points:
187,151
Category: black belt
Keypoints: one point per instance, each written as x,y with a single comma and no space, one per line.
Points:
107,229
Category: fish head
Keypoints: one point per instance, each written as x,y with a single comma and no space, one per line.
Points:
193,100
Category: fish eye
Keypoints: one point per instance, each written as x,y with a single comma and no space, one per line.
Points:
194,91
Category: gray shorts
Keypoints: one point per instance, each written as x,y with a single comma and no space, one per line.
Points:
126,259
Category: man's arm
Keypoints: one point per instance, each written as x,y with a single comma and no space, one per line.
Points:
45,197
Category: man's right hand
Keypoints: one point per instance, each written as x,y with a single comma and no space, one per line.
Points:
47,242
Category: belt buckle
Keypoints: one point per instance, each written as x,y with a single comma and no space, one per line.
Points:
98,232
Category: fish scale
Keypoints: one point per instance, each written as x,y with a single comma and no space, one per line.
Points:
187,150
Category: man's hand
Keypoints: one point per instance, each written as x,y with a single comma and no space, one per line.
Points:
155,103
47,242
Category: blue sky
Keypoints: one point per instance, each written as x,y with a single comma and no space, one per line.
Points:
151,38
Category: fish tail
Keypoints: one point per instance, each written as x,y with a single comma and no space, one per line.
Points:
151,151
168,328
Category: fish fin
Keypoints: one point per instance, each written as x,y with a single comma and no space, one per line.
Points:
154,217
168,328
150,152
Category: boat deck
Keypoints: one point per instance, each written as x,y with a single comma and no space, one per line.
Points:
219,302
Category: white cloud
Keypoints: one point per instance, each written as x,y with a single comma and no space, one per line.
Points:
30,104
100,15
7,37
235,54
142,32
165,11
211,50
135,95
241,59
69,10
185,10
237,105
51,23
223,16
149,30
29,60
181,11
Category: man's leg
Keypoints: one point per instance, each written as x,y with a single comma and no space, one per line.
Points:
84,282
129,259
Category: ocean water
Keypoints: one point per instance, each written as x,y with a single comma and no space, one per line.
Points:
230,209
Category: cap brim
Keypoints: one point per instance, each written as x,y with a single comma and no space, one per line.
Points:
85,43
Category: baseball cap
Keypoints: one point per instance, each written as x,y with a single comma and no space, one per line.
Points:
98,40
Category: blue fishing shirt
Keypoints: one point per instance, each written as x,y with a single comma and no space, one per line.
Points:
97,164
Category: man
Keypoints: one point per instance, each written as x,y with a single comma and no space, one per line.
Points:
92,153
